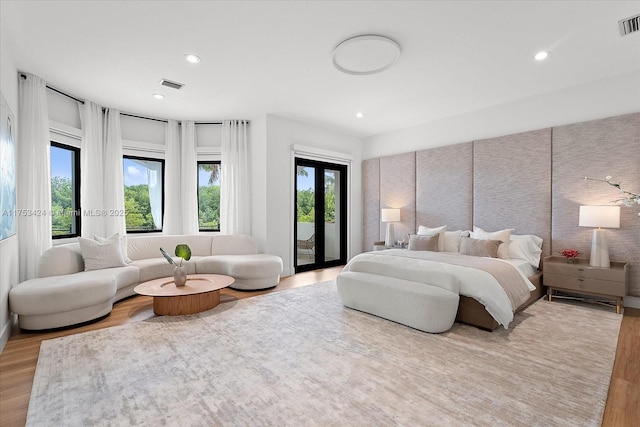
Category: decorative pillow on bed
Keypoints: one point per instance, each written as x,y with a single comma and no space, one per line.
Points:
452,240
101,255
502,235
426,231
479,247
123,244
423,243
526,247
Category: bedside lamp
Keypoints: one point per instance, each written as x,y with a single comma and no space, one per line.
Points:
600,217
390,216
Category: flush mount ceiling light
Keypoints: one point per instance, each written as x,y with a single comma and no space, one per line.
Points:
158,96
366,54
190,57
541,56
359,114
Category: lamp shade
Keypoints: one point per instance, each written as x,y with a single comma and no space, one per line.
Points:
390,215
599,216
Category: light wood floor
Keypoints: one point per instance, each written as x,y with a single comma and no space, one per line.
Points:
18,359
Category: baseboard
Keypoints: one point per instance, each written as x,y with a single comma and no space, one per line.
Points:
6,332
633,302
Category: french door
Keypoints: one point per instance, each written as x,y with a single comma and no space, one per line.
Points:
320,234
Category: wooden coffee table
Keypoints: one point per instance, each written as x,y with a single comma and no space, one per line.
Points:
200,293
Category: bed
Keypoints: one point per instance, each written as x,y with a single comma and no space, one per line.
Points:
491,288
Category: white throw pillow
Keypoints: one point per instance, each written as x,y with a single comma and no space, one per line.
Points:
426,231
452,240
123,244
526,247
502,235
101,255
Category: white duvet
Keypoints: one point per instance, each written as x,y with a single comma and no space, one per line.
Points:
473,283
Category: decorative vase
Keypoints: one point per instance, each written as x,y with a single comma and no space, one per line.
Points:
571,260
180,275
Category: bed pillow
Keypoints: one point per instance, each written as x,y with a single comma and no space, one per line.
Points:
452,240
423,243
123,244
502,235
479,247
101,255
526,247
426,231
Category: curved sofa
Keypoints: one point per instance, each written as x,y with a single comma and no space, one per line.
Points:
64,294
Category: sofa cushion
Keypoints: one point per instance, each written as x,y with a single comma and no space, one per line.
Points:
145,247
233,244
241,266
159,267
98,256
60,260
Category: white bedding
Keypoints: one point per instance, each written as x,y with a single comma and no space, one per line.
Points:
474,283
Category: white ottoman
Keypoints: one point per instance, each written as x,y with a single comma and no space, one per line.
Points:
251,272
418,305
57,301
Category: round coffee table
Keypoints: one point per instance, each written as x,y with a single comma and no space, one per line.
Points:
200,293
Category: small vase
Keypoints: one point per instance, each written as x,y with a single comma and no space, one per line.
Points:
571,260
180,275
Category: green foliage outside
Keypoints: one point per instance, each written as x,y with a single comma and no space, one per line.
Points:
138,208
61,206
306,205
209,207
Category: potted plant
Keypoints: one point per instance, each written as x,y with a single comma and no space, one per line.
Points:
179,271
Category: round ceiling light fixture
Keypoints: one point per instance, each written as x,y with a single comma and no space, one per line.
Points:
192,58
158,96
359,114
366,54
541,56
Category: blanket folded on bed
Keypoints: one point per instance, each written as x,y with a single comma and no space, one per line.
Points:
499,286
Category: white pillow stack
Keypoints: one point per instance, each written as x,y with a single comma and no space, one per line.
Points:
98,255
502,235
440,231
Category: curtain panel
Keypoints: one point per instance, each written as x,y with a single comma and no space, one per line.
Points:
92,171
172,212
114,220
189,179
235,209
33,175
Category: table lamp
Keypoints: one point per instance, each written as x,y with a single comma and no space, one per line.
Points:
390,216
600,217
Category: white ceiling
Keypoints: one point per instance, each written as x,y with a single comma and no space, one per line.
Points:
275,57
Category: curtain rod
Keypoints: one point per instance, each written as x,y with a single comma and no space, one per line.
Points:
124,114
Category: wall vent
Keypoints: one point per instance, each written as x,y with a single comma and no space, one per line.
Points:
172,85
629,25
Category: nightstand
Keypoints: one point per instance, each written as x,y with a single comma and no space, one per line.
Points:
581,278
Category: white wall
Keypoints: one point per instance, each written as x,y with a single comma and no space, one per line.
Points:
8,247
282,135
608,97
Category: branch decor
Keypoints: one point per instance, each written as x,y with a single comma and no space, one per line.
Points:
627,197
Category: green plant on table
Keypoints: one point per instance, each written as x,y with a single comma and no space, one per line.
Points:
183,251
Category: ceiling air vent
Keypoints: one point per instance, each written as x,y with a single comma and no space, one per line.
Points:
172,85
629,25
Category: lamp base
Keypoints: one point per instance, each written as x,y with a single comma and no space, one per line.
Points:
599,249
391,235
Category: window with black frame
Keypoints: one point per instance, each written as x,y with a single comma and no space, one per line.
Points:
143,193
65,191
209,195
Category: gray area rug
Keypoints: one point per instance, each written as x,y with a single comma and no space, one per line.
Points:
299,358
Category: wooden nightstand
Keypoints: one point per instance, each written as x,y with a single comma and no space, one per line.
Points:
581,278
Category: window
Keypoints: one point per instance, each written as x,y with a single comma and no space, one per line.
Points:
209,196
143,193
65,191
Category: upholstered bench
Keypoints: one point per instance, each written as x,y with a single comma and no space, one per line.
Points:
251,271
421,306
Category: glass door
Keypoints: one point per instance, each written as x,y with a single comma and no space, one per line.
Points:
321,215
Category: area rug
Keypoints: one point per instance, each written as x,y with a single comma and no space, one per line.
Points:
299,358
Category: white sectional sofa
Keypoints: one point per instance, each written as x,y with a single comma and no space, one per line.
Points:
64,294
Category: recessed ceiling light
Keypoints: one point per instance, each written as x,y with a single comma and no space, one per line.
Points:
540,56
158,96
190,57
359,114
366,54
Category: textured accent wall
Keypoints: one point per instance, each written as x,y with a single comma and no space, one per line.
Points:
531,181
371,203
444,186
398,190
596,149
512,184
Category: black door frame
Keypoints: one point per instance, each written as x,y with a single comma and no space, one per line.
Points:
320,168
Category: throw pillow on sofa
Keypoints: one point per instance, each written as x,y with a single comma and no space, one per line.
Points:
101,255
123,244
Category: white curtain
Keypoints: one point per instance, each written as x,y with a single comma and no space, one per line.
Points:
34,177
172,210
235,210
114,221
92,171
189,178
